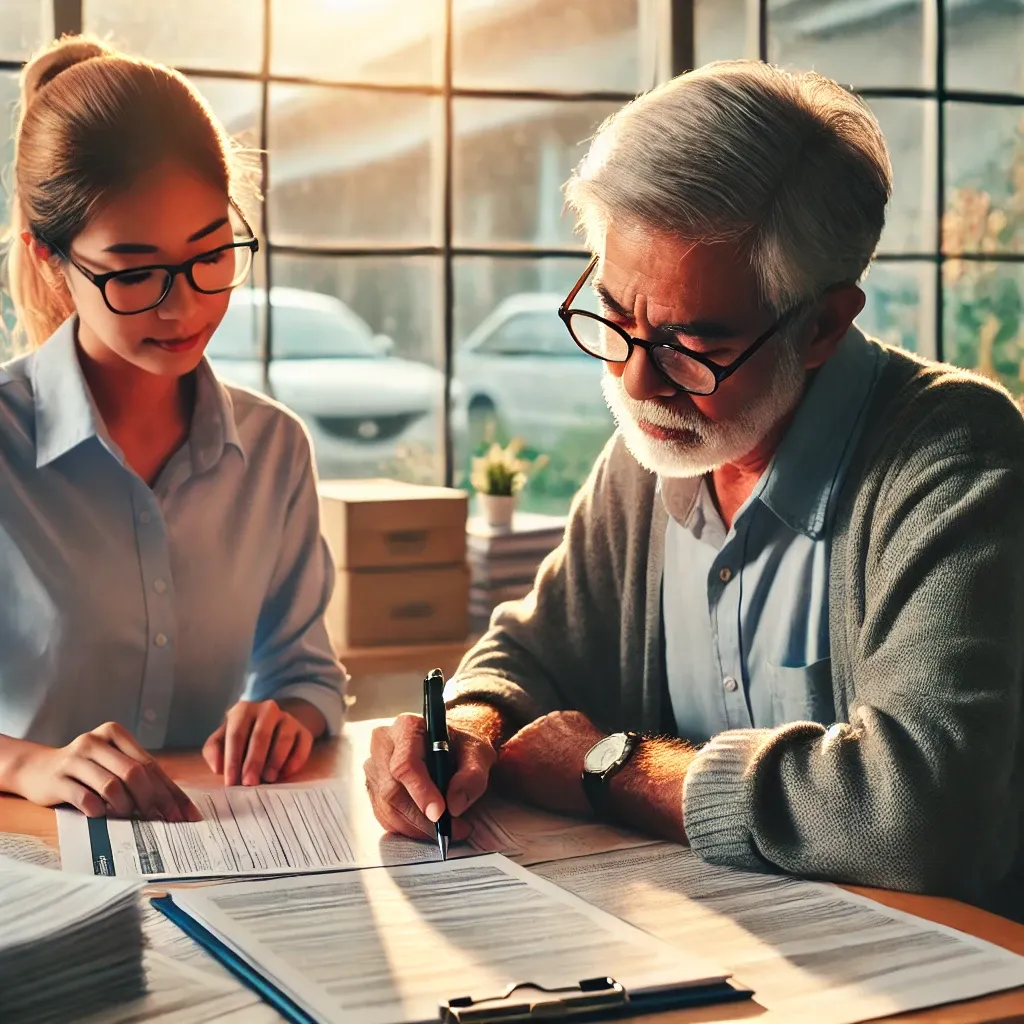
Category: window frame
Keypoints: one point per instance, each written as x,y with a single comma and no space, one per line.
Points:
675,31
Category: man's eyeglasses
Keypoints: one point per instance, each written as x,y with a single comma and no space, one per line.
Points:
683,368
139,289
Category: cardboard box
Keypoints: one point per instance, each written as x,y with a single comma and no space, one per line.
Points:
383,524
399,606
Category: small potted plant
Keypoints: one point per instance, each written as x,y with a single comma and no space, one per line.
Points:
498,476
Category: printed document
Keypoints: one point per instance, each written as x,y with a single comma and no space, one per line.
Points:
387,945
262,831
809,950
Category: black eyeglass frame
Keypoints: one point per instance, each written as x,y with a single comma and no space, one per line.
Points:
719,372
172,270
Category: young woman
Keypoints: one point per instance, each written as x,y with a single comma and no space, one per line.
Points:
160,549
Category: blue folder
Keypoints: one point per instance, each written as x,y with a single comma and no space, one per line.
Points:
642,1003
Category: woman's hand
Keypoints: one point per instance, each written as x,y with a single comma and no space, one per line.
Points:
263,741
102,772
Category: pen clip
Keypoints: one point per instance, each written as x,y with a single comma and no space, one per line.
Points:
536,1002
434,714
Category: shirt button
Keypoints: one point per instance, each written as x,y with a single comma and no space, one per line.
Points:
725,574
144,518
159,586
160,640
149,715
730,684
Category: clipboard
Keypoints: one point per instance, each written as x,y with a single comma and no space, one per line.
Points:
587,1000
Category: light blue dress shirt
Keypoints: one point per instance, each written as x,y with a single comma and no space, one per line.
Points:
746,610
155,608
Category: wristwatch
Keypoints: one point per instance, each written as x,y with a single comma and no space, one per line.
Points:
604,760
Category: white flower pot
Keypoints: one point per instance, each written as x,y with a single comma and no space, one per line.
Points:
497,509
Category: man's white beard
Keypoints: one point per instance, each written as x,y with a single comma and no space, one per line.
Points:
710,444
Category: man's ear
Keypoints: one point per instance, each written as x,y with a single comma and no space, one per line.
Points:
839,308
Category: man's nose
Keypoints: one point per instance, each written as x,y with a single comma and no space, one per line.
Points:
642,380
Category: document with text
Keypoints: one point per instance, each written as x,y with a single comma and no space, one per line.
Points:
388,945
262,831
809,950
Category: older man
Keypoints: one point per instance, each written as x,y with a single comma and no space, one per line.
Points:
802,553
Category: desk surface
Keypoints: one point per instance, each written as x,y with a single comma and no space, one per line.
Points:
339,757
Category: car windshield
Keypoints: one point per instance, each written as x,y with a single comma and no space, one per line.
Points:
329,331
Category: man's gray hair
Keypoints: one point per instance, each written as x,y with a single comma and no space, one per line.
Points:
791,164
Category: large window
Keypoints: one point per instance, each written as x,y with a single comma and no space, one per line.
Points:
415,244
946,80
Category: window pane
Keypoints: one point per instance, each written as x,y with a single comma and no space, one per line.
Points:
517,367
572,45
237,106
723,30
24,26
982,319
227,34
8,118
859,44
511,159
359,40
909,128
360,362
985,47
352,166
984,178
900,306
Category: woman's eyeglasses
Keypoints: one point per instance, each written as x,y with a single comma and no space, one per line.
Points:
139,289
683,368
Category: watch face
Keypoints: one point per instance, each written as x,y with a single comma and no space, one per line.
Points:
603,754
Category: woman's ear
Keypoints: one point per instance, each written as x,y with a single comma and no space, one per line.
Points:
38,249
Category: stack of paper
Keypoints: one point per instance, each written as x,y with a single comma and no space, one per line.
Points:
504,562
68,945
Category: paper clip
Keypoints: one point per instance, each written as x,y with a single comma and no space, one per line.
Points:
591,996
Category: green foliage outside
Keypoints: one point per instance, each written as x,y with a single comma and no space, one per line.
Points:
984,328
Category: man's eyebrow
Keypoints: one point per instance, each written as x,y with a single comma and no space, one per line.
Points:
709,329
143,247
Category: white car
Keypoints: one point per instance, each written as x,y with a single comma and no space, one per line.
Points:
521,368
364,407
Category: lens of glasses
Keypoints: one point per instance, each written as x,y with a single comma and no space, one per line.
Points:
598,338
136,290
222,269
683,370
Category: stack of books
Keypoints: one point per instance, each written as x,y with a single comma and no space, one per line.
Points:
69,944
503,562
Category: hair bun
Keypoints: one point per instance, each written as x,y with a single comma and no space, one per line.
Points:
57,57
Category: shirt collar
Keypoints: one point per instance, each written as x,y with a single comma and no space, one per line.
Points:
799,482
66,415
809,461
213,421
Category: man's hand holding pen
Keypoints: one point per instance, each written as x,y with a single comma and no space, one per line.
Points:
404,798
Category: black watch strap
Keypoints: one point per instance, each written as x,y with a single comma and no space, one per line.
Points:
595,784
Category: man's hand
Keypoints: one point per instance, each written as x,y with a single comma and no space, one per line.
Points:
102,772
404,798
543,762
263,741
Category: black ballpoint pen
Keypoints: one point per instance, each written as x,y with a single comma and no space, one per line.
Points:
439,760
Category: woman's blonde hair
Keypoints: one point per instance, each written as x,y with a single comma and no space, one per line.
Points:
92,120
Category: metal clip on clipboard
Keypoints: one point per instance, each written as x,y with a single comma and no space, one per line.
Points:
591,996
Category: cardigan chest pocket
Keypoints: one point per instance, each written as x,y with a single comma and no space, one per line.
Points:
803,693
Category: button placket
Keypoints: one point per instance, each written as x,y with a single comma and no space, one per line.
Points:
157,685
725,581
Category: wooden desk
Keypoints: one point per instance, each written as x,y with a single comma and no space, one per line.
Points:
344,757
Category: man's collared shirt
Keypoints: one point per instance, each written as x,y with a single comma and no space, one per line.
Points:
157,607
746,609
